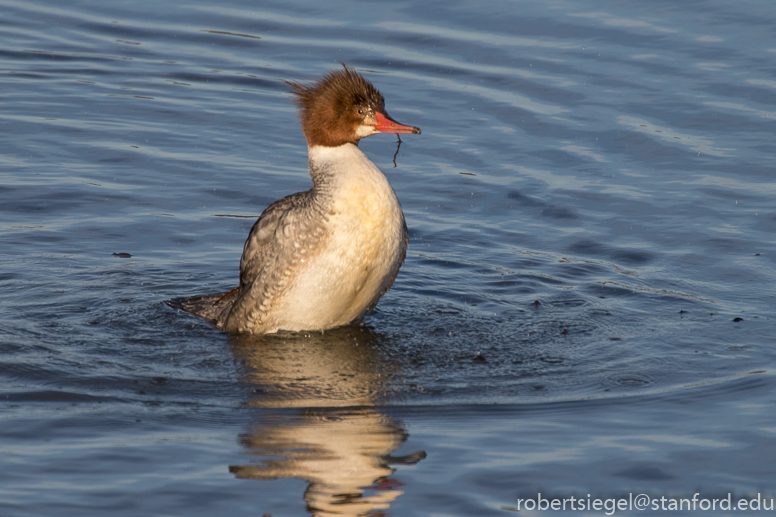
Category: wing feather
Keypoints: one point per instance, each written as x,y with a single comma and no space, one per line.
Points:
284,232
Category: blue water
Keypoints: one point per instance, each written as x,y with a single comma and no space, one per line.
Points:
587,305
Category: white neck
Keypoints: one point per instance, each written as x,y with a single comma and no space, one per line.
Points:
337,167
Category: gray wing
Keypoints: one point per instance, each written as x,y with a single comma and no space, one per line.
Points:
259,247
263,247
272,250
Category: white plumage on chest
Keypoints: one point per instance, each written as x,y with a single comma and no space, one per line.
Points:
363,247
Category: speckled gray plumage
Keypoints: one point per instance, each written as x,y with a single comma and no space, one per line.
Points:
288,231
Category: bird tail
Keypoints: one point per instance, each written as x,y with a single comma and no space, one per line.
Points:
214,307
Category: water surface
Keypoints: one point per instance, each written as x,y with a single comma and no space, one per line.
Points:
587,301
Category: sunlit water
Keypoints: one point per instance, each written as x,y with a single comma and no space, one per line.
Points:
586,306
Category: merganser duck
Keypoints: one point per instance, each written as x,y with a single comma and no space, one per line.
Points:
323,258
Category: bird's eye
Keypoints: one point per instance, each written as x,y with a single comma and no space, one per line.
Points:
360,111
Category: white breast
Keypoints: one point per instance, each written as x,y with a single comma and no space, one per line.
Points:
363,245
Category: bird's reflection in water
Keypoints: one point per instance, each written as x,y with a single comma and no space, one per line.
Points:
338,441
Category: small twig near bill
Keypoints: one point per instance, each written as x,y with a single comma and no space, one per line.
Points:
397,150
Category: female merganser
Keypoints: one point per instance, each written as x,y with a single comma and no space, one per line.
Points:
321,259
